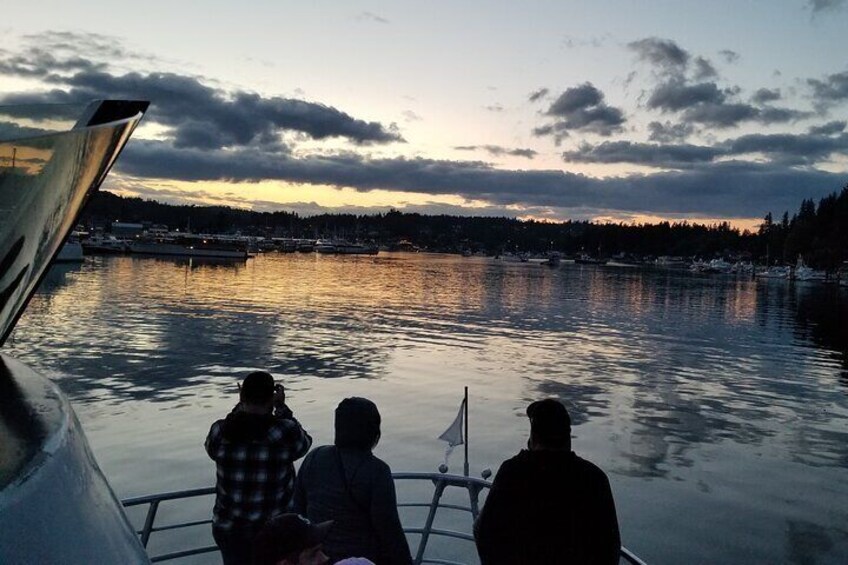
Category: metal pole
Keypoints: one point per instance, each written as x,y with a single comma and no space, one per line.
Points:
465,468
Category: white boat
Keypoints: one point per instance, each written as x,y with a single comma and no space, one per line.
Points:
670,262
347,248
325,246
55,503
776,272
804,273
586,259
189,247
718,266
104,245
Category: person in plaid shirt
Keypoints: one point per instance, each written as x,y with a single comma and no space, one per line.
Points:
254,449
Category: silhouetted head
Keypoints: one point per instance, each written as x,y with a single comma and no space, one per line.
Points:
357,423
550,425
257,389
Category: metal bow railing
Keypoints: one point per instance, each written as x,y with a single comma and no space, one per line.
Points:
441,482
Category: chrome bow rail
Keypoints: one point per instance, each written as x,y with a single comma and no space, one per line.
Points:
440,482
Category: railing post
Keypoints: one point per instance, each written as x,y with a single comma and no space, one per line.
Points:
148,522
474,499
431,517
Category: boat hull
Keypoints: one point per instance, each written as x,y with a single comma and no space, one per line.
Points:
55,504
186,251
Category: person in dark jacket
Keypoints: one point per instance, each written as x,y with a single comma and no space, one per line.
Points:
346,483
254,449
546,504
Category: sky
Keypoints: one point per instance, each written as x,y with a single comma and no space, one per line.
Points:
611,110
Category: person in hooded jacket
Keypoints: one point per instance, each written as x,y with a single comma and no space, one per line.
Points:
546,504
345,482
254,449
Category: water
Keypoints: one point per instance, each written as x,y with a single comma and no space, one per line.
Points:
718,407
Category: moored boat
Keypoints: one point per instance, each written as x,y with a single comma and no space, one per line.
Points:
189,247
586,259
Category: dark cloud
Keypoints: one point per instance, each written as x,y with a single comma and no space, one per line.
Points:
832,90
663,53
538,95
582,108
651,154
790,148
197,115
668,132
498,151
729,56
781,149
676,95
830,128
704,69
771,115
764,95
818,6
705,103
723,189
720,115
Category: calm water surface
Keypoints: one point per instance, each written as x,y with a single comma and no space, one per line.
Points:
718,407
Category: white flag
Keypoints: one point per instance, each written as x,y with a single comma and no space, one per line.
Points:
453,435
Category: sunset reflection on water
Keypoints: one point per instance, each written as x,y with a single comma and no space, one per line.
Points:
718,399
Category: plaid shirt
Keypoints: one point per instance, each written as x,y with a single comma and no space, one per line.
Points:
255,470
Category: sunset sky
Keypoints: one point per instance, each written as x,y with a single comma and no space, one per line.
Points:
610,110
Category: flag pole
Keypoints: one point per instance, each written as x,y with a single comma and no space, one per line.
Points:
466,432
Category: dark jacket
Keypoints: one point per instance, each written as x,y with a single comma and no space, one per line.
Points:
548,507
254,455
365,514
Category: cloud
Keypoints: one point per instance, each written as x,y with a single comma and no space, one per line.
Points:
832,90
411,116
819,6
729,56
582,108
538,95
498,151
676,95
668,132
663,53
723,189
371,17
196,115
830,128
764,95
704,69
706,103
781,150
651,154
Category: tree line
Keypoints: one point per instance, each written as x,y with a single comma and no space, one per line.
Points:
818,232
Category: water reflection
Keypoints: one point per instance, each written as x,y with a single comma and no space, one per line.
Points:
704,385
